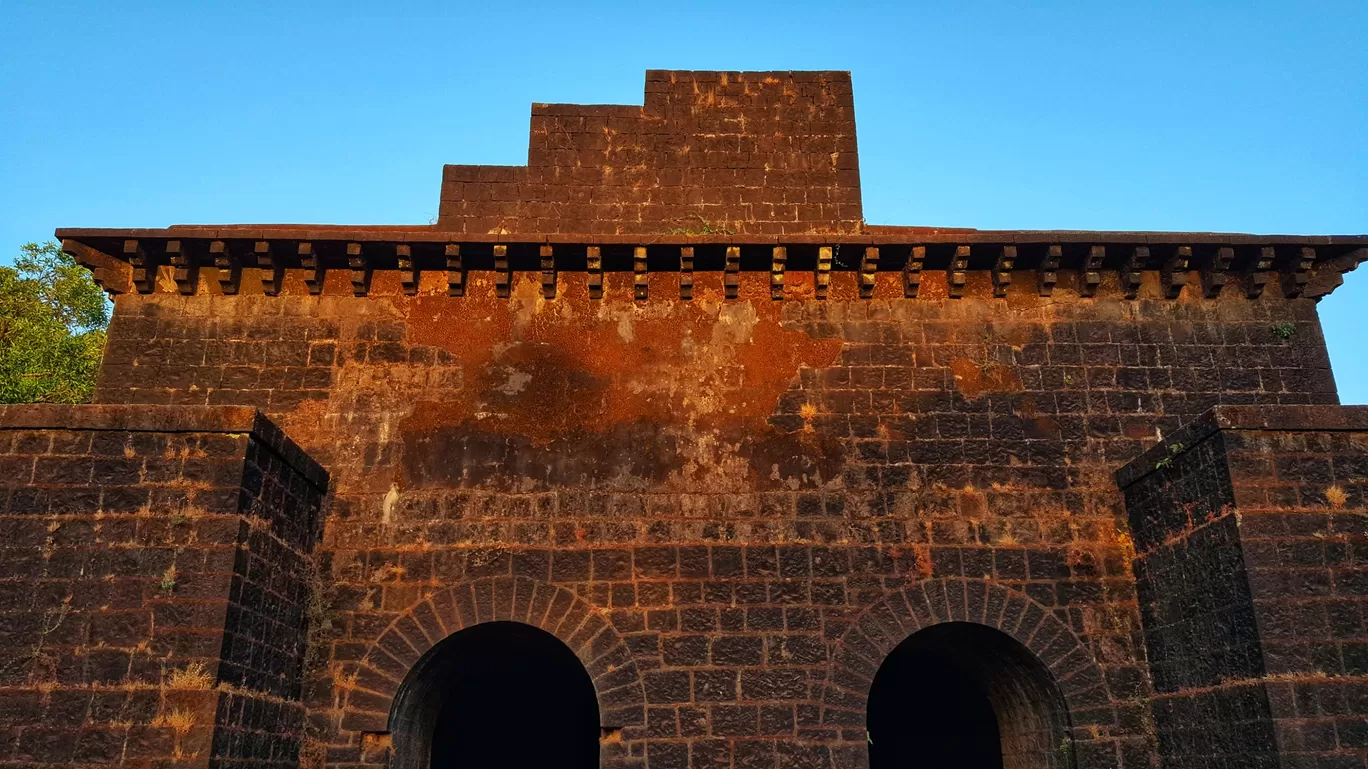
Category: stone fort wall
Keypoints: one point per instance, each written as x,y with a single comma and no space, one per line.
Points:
732,485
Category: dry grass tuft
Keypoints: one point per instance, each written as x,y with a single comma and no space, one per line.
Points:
179,721
396,573
192,676
168,580
1336,496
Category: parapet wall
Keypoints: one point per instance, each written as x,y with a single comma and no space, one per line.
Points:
708,152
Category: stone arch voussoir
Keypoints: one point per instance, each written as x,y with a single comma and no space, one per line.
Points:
886,623
369,694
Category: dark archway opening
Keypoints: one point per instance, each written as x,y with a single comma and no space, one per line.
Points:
966,696
500,695
926,711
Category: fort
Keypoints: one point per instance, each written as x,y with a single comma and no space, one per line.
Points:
652,453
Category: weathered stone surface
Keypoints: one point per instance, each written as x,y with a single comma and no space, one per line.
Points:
1250,527
743,152
730,483
154,584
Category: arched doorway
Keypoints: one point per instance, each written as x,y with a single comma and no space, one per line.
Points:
499,695
969,696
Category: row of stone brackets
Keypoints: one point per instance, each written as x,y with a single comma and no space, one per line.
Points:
1296,273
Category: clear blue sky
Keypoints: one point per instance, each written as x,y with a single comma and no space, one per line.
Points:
1234,116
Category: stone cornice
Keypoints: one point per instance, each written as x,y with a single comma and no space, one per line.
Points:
128,260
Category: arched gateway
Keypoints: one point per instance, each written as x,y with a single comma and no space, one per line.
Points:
963,673
507,672
502,694
969,696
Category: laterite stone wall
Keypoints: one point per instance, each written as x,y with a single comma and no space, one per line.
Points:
1252,566
153,586
707,152
740,491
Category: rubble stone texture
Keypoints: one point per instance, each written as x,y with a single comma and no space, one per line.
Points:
663,395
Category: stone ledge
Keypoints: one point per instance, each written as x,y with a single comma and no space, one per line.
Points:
1320,419
165,419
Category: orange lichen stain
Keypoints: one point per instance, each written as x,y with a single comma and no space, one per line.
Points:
1017,335
978,283
375,744
888,285
753,286
385,283
337,282
1023,294
708,284
933,285
468,327
292,283
542,368
845,284
973,379
305,420
800,285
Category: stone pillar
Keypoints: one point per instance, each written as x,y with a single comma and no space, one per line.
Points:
1251,538
154,586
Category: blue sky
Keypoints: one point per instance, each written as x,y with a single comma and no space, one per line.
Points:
1231,116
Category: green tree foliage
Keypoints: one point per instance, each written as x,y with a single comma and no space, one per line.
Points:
52,327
